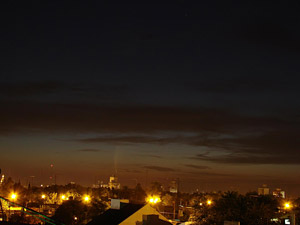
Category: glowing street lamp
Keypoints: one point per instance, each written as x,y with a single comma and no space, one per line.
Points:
153,199
63,197
43,196
13,196
287,206
209,202
86,198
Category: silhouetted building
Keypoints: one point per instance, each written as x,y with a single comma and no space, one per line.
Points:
153,220
264,190
279,193
129,214
174,186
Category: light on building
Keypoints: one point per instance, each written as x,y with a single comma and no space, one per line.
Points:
63,197
43,196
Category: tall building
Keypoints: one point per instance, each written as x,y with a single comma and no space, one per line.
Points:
264,190
112,184
174,186
279,193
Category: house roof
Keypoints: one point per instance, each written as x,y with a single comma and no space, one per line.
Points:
116,216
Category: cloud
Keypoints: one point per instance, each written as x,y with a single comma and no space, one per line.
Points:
245,85
30,88
197,167
215,129
127,140
252,159
274,147
206,174
88,150
149,155
49,90
159,168
129,170
22,115
271,34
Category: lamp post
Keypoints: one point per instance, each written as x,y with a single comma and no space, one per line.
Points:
291,215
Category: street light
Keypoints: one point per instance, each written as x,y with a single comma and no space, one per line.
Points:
153,199
13,196
287,206
63,197
43,196
209,202
86,198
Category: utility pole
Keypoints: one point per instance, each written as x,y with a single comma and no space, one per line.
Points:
174,210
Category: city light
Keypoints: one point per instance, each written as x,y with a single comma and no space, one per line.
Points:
13,196
287,205
43,196
153,199
63,197
209,202
86,198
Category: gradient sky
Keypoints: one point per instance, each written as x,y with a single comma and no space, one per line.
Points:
207,93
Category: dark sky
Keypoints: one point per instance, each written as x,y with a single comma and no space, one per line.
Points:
208,93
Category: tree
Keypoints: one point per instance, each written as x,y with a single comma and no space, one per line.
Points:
139,193
248,209
71,212
95,208
125,193
156,188
168,200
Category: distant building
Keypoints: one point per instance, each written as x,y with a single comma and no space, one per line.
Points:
279,193
97,184
129,214
174,186
264,190
112,184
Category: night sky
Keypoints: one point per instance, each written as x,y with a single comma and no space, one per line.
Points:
207,93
